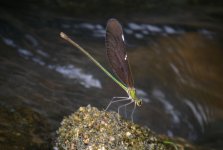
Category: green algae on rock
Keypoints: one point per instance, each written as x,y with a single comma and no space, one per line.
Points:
91,129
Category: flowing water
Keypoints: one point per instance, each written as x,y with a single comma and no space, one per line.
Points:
177,70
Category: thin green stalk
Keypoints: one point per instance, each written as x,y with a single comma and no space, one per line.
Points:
171,143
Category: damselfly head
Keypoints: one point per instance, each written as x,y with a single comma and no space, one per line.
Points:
139,102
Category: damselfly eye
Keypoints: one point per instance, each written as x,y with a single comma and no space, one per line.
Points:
139,103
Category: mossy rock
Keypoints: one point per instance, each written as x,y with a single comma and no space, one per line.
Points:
91,129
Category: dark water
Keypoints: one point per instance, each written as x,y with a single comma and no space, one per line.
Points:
177,70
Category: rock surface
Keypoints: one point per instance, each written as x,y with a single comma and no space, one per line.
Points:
88,128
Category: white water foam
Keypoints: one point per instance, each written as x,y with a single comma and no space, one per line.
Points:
72,72
169,108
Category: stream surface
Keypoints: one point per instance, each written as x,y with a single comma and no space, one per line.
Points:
177,70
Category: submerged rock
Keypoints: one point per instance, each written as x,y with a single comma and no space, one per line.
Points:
22,128
91,129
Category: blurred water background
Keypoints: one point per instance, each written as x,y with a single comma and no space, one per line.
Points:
175,51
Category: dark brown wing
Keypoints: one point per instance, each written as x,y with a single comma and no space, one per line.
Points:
116,52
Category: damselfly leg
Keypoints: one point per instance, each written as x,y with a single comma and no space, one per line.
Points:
125,105
122,99
115,100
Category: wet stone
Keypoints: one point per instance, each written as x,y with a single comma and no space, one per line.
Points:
91,129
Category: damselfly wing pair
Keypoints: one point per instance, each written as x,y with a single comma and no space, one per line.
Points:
118,59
